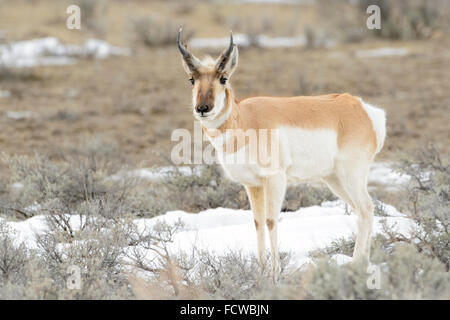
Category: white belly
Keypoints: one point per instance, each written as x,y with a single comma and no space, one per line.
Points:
245,172
309,154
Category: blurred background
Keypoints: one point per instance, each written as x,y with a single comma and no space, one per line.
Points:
119,77
86,118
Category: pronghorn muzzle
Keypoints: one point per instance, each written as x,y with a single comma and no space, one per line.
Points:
203,108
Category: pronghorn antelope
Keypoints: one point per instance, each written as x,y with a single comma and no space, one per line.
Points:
331,138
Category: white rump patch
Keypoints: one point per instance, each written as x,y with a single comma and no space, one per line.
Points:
378,118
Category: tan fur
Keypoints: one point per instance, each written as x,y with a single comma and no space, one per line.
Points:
256,198
274,191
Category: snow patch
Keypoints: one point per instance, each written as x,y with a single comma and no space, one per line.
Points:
341,259
243,40
382,52
17,185
382,174
18,115
25,231
50,51
159,173
5,94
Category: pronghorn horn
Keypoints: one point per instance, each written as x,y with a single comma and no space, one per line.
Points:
182,49
230,48
191,61
226,55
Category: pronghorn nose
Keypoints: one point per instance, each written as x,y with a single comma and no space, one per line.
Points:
203,108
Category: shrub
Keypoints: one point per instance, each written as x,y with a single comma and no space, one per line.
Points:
96,250
91,14
339,246
235,275
153,31
406,19
404,274
200,190
81,176
200,274
252,27
12,255
95,247
208,187
428,203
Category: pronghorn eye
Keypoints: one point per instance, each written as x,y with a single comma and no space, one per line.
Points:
192,80
223,80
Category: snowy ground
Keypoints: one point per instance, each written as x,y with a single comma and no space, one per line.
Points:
220,230
300,232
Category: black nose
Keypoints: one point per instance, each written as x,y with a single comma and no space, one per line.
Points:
203,108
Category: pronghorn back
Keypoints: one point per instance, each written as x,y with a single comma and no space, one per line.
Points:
342,113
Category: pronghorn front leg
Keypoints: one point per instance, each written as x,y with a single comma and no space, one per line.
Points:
274,190
256,198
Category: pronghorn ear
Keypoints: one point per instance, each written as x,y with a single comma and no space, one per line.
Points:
190,64
189,67
228,63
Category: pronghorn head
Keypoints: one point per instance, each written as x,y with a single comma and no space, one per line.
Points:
210,79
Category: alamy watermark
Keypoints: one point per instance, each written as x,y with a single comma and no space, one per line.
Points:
374,279
74,278
232,146
74,20
374,20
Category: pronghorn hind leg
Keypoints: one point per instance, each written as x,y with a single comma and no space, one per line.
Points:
335,185
256,199
274,191
353,181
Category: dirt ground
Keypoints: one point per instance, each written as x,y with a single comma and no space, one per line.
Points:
138,100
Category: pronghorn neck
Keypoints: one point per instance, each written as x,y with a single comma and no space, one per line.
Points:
225,117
